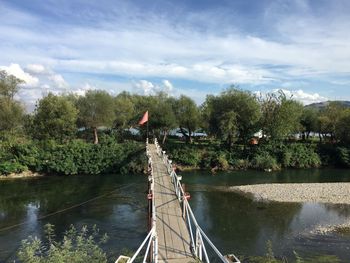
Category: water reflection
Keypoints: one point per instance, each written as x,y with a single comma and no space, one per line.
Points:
241,225
235,223
122,214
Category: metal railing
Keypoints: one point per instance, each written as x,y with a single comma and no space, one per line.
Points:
151,240
197,235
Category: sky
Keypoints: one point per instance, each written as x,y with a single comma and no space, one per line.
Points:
191,47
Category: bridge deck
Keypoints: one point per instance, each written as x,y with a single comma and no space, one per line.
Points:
173,234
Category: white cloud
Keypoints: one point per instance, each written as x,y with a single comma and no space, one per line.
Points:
297,45
35,69
168,86
145,87
58,80
83,89
17,71
299,95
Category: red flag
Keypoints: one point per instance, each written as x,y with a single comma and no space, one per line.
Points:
144,118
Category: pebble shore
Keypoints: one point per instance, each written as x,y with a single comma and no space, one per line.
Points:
334,193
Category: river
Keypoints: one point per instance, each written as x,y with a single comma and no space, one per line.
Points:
235,223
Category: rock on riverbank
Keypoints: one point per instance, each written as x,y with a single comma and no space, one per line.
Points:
335,193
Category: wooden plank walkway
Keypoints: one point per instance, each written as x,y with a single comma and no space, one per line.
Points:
172,232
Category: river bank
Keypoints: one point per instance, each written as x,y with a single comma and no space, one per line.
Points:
25,174
333,193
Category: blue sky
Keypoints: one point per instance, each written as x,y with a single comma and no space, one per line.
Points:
191,47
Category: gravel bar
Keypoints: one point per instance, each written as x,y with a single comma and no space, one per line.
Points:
334,193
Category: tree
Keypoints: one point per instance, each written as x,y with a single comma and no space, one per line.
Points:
308,121
233,113
280,115
342,127
96,109
228,127
11,111
55,117
330,117
9,85
188,116
163,116
124,110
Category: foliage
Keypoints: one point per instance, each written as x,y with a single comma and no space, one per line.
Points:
11,111
54,118
75,157
233,112
124,110
186,156
77,246
342,127
265,161
187,115
280,115
7,167
9,85
308,120
343,155
96,109
297,155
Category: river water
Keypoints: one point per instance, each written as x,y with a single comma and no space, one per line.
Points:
236,224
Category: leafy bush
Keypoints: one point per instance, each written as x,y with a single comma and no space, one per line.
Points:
343,156
76,247
11,167
297,155
186,156
75,157
264,161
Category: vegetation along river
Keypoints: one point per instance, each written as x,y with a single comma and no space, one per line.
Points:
236,224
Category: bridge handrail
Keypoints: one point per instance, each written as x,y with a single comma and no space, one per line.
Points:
197,244
152,234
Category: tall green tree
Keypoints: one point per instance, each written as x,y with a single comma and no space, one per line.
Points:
163,116
11,111
96,109
342,127
55,117
280,115
308,120
188,116
124,110
233,113
9,85
330,117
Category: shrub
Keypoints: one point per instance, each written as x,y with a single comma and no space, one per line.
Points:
343,156
11,167
264,161
186,156
76,247
297,155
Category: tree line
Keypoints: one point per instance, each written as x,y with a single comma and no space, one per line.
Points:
233,116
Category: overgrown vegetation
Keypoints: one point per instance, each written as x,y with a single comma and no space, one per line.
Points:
76,246
75,157
270,257
90,134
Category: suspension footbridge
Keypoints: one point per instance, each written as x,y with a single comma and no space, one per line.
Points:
174,235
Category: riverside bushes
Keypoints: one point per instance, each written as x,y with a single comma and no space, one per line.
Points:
266,156
75,157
